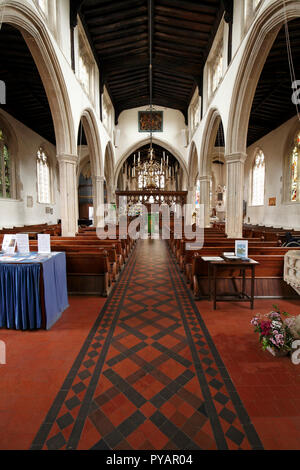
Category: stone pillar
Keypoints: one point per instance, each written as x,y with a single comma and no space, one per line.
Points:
205,198
235,194
191,195
98,199
68,194
111,193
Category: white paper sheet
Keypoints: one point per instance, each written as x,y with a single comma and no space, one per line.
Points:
44,245
9,244
212,258
22,242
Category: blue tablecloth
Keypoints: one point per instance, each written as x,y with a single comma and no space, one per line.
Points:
20,290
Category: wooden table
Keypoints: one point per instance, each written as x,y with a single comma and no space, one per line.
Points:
242,296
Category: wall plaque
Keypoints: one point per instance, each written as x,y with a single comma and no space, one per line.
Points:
150,121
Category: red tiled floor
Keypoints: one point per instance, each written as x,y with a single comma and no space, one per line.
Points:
268,386
37,364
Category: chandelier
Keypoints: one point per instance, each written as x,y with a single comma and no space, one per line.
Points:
152,174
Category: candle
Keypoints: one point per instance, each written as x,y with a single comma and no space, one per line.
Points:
164,156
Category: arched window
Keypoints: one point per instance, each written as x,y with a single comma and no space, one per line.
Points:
258,179
5,168
294,173
43,177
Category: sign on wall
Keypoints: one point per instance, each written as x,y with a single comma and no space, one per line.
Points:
272,201
150,121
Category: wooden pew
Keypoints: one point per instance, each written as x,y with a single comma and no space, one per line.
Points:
269,274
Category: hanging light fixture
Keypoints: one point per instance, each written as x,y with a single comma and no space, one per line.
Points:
154,175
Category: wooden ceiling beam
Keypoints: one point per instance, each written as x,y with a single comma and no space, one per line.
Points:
116,51
123,33
182,32
180,40
190,51
170,52
110,7
194,26
116,18
199,6
204,18
132,22
102,46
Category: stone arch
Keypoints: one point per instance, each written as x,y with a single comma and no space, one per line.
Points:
210,131
259,44
89,123
146,141
35,34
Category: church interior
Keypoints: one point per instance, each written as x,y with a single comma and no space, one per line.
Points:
150,225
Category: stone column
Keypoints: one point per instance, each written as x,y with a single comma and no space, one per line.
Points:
111,196
235,194
205,198
98,199
190,205
68,194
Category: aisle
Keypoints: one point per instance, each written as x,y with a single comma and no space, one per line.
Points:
148,375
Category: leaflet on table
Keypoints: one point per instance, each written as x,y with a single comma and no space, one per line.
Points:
44,245
23,242
9,244
241,248
212,258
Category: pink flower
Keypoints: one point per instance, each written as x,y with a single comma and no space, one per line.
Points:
265,328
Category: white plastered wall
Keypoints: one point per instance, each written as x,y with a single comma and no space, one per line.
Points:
130,137
275,146
15,212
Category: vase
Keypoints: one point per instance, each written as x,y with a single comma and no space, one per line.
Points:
276,352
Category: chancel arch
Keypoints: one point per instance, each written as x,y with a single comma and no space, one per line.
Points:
183,171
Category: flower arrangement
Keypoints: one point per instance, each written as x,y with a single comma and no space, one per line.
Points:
274,332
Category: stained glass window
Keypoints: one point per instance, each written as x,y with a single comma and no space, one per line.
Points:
197,202
258,179
5,168
294,164
43,177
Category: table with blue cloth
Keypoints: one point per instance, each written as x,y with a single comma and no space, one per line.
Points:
33,290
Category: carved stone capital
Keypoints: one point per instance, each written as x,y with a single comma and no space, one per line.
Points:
67,158
98,179
204,179
236,158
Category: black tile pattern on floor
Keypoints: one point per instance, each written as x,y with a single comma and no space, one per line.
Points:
148,375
